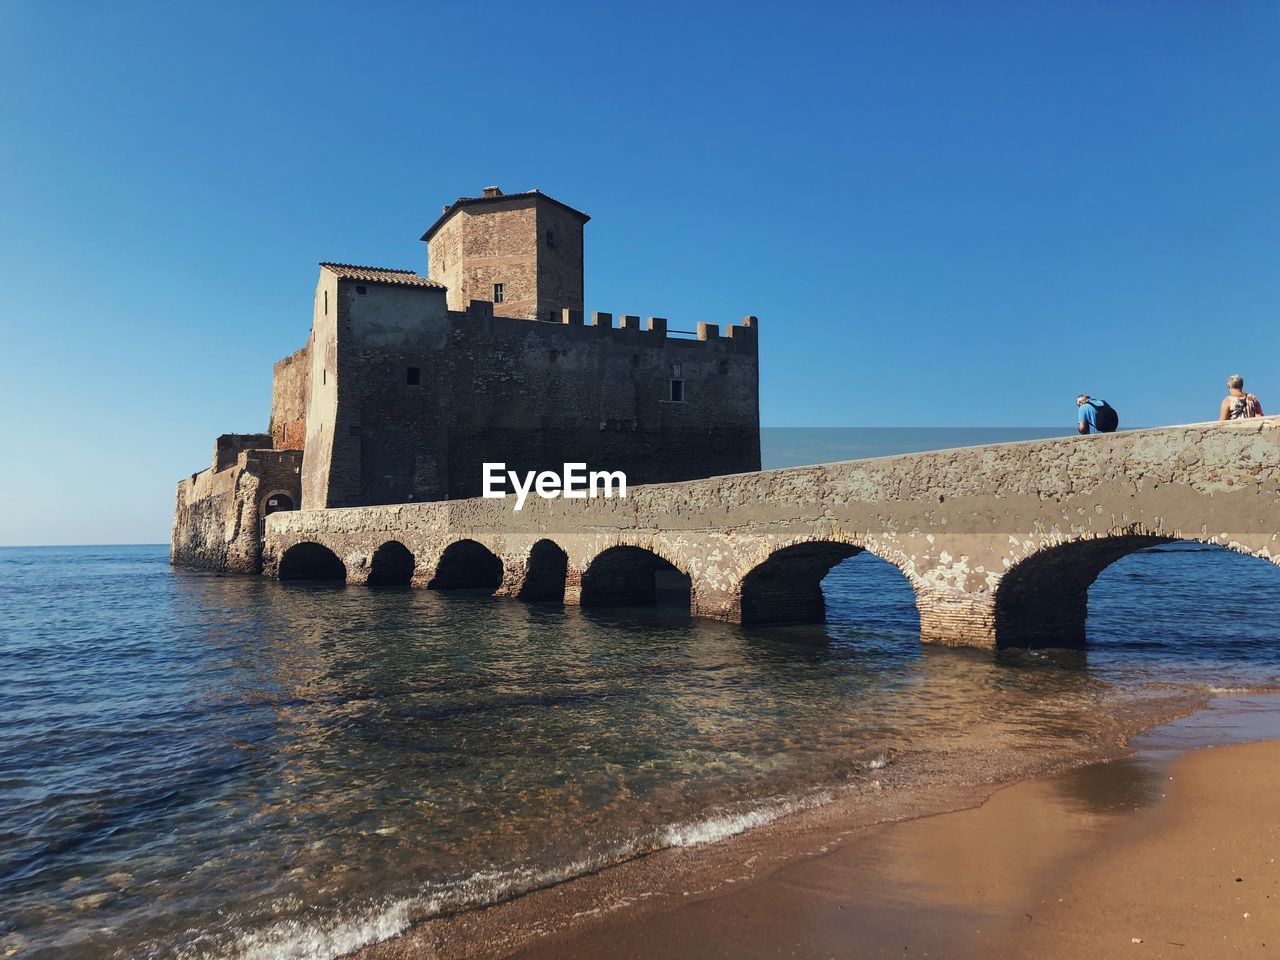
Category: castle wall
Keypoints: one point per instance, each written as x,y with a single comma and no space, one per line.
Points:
218,516
399,449
560,263
532,395
228,447
535,396
444,261
531,246
322,407
290,392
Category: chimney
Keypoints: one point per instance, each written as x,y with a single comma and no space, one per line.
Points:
492,192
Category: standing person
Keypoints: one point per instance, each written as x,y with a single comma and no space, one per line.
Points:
1096,416
1238,405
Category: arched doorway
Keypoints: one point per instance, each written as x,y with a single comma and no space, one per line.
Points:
277,502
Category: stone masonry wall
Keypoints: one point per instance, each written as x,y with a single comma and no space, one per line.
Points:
290,393
228,447
534,396
561,269
532,246
217,519
481,246
957,523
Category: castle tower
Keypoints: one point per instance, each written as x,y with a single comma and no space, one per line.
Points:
522,251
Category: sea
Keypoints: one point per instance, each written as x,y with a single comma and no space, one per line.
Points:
201,766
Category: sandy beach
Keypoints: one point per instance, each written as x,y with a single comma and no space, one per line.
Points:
1133,858
1170,852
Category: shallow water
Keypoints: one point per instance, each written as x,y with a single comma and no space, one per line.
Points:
201,766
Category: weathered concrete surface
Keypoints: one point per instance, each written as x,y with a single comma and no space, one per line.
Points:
1000,543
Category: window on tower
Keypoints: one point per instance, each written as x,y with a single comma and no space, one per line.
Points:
497,293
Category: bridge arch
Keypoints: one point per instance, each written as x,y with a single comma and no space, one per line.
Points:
628,575
467,565
1043,600
311,561
391,566
787,585
546,570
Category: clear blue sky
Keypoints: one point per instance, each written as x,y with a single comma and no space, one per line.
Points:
945,214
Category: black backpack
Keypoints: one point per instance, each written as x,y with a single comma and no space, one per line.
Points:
1106,417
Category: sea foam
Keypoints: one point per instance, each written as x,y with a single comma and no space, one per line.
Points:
329,938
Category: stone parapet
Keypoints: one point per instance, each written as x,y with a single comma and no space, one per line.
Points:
998,542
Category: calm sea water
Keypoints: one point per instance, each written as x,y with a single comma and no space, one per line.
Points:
198,766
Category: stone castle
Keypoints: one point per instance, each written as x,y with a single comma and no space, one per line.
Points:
409,383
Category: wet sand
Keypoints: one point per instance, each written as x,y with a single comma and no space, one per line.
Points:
1136,856
1133,858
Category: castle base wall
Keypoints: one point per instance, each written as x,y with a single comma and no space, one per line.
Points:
218,517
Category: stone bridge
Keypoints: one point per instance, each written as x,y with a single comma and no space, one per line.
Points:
1000,543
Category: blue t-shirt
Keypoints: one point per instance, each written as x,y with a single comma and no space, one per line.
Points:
1089,414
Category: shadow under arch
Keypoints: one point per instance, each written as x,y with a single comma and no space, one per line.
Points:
786,587
311,561
547,568
467,565
627,576
392,565
1043,601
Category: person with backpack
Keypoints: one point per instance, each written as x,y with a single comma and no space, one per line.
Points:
1238,405
1096,416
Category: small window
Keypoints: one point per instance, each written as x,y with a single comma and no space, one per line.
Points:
326,303
362,290
324,376
551,240
497,293
551,316
677,372
413,376
677,391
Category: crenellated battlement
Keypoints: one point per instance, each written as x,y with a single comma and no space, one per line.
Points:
651,330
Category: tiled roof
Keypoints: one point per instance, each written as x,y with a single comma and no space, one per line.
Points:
461,202
405,278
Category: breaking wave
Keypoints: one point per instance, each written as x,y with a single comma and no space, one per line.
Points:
326,938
